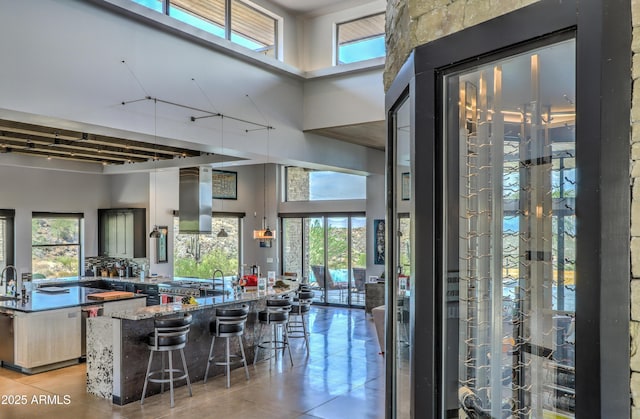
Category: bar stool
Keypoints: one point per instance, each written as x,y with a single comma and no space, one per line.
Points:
169,334
297,326
229,322
275,316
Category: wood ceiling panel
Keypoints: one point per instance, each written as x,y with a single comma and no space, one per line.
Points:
360,29
37,140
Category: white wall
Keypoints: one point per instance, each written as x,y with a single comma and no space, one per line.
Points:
318,53
344,99
376,209
29,190
67,71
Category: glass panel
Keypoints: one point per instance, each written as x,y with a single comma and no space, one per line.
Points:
361,39
55,249
337,277
208,15
313,249
358,260
292,246
198,255
511,152
321,185
401,263
253,29
151,4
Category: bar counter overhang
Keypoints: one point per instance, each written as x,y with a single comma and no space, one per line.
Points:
117,352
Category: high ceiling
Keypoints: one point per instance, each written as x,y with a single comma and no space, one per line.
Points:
39,139
310,6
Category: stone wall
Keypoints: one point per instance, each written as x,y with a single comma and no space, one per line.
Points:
411,23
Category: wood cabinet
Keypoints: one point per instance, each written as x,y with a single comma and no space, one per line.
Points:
122,232
47,337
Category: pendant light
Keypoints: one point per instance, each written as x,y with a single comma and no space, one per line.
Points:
155,233
222,233
267,232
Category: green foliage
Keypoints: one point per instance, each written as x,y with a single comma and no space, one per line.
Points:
338,246
216,259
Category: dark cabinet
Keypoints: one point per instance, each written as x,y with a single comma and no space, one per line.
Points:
151,290
121,232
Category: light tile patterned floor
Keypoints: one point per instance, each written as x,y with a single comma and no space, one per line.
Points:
342,378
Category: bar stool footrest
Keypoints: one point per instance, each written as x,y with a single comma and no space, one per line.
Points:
166,380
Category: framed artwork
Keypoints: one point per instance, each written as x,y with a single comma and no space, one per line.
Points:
224,184
378,242
161,245
406,186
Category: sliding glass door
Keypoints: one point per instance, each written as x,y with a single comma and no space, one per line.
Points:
330,253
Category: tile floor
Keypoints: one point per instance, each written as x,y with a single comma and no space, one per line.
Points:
342,378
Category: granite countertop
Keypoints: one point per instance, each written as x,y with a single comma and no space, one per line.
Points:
42,301
203,302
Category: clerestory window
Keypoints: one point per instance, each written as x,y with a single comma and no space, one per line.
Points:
238,21
360,39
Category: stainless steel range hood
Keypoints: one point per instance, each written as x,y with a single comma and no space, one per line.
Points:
195,200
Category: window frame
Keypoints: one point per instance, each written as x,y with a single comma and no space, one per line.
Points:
215,215
228,20
336,43
9,237
285,192
79,217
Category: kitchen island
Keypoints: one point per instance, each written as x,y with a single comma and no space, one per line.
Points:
44,332
117,352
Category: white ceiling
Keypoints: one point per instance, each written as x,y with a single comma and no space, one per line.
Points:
303,7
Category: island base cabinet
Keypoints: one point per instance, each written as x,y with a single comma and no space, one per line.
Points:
47,338
110,307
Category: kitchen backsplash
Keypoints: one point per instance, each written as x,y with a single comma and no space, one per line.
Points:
110,264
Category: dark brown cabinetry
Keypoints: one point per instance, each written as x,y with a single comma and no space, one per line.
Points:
121,232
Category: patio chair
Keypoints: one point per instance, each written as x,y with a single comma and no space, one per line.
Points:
325,282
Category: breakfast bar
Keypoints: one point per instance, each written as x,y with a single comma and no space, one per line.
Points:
44,331
117,352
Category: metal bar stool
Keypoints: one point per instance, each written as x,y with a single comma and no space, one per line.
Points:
276,317
229,322
297,326
169,334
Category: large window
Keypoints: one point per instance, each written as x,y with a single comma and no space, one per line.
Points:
322,185
6,239
360,39
56,250
239,21
198,255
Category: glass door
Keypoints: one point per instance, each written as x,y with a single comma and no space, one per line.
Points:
510,269
337,275
314,255
358,248
399,266
330,253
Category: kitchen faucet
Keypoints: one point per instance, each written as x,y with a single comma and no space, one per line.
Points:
6,282
213,279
